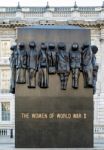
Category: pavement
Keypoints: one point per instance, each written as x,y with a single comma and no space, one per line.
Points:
7,143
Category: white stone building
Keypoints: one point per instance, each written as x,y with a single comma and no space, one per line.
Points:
13,17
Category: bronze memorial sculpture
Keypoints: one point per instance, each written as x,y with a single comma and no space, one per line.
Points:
32,64
63,66
43,67
51,53
75,64
21,64
50,61
95,66
13,68
56,74
87,67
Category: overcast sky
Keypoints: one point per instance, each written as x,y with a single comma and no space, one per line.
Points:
51,2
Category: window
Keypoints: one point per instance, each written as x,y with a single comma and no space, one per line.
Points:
5,80
5,108
5,48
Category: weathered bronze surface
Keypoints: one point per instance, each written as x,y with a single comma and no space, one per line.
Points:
43,66
21,64
13,68
75,63
51,54
51,117
32,64
52,59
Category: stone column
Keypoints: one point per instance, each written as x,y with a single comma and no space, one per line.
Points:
99,96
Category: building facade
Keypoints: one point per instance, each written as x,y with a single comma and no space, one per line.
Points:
13,17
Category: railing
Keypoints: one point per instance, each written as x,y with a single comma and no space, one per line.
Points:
62,12
3,132
6,132
99,130
32,15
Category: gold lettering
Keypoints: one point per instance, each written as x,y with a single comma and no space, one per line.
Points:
63,116
77,116
39,116
25,115
85,115
51,115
